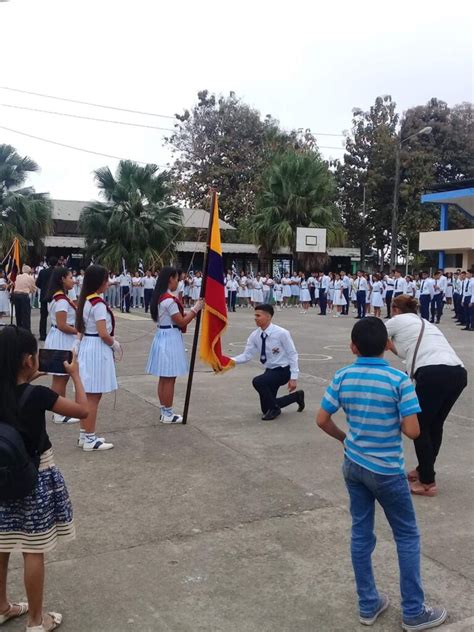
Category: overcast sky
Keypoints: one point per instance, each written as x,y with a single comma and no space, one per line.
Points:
305,62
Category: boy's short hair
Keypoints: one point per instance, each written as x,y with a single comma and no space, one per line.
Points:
370,337
265,307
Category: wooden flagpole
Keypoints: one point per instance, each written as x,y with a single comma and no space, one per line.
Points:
198,317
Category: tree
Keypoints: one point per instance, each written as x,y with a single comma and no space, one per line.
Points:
225,143
298,190
136,220
369,162
24,213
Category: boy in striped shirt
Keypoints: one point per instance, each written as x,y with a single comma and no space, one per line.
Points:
380,403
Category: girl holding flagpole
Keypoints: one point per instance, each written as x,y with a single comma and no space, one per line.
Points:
62,334
167,358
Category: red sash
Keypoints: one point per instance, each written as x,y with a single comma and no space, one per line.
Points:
163,297
58,296
95,299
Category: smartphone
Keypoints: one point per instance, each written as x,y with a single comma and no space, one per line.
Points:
52,360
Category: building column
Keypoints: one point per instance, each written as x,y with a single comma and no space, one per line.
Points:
443,225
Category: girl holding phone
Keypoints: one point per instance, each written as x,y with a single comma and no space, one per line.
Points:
62,334
95,323
33,524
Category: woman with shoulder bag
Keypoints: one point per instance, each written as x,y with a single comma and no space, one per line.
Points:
440,378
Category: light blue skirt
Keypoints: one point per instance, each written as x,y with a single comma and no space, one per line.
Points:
167,356
96,366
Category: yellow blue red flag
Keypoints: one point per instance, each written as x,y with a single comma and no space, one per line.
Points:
214,319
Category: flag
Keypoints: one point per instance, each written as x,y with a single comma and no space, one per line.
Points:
124,267
13,264
141,267
214,319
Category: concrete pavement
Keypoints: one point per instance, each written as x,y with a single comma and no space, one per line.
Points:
233,524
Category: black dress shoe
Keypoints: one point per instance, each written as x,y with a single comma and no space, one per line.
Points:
466,329
300,400
271,414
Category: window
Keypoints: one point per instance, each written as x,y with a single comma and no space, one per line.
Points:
453,260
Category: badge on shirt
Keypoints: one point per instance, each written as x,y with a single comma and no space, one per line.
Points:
276,350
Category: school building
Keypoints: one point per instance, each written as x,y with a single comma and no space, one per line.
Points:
455,248
66,241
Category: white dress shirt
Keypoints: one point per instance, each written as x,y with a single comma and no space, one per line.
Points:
442,283
149,282
279,349
404,330
427,287
324,282
400,285
361,284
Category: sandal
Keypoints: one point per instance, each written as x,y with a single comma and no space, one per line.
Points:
420,489
6,616
56,620
413,476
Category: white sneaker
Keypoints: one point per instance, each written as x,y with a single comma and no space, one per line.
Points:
96,445
174,419
80,442
62,419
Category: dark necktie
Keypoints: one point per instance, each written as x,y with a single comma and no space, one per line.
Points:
263,352
396,284
422,286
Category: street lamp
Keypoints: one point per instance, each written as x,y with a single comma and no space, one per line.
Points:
396,192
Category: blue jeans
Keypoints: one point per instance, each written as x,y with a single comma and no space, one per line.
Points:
393,494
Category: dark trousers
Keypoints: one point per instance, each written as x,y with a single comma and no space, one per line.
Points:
21,303
323,301
395,294
467,313
361,298
267,385
438,387
43,319
231,300
147,294
425,300
345,308
437,307
388,302
313,296
125,299
457,302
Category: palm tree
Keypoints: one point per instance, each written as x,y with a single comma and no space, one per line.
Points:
135,221
23,212
298,190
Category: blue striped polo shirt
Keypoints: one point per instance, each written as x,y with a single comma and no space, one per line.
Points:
375,398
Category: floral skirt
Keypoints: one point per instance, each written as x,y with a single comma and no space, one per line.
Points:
34,524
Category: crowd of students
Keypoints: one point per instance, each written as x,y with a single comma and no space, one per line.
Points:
85,325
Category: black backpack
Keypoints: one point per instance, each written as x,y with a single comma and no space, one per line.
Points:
18,470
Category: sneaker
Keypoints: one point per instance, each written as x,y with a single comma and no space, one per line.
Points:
96,445
62,419
80,442
173,419
383,605
429,618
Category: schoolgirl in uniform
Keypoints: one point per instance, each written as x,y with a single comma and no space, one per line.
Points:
243,290
377,295
4,296
339,298
332,281
62,335
286,282
95,323
368,294
167,358
295,290
196,287
409,286
257,291
353,293
187,290
305,296
449,288
278,293
33,524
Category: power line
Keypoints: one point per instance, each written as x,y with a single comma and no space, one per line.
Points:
87,151
95,105
87,118
119,109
